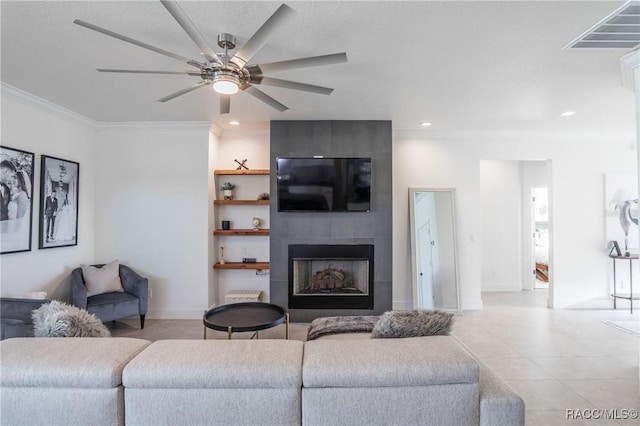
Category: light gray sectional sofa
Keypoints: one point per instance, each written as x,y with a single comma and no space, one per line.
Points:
349,381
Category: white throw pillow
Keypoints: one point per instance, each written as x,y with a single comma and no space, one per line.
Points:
102,280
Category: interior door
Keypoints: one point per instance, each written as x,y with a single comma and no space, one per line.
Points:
425,266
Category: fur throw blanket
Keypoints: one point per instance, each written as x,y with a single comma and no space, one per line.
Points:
337,325
57,319
419,322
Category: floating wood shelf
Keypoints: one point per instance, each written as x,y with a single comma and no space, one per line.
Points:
242,202
240,265
251,232
242,172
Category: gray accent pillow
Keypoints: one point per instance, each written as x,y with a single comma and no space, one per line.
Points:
419,322
57,319
102,280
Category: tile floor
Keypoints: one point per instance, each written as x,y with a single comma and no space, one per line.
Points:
555,359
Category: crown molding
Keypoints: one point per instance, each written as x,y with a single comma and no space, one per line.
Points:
152,125
10,92
26,98
240,133
484,135
216,130
628,65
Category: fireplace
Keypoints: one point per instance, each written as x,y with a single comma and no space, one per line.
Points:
325,276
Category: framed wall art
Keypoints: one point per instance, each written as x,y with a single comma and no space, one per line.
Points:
58,217
621,210
16,199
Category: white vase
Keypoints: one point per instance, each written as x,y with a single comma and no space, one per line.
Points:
228,194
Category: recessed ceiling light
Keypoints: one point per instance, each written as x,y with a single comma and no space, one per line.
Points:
568,113
425,124
234,123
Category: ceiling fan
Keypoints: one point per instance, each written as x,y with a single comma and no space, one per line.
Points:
229,73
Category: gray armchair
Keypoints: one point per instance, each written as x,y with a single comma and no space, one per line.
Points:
116,305
15,316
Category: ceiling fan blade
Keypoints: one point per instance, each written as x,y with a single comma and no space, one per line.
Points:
265,98
225,104
313,61
261,37
192,31
268,81
192,73
183,91
130,40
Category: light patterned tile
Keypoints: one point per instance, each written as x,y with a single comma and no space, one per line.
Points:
548,395
559,418
585,368
510,368
606,394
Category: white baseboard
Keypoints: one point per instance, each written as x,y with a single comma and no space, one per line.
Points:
597,303
472,305
500,287
175,314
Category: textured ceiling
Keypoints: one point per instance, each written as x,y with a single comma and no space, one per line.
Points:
465,66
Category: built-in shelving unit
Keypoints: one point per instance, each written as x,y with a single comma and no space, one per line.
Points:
241,202
241,240
241,265
266,172
244,232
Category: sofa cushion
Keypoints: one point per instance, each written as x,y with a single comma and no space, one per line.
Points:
75,362
105,279
416,323
414,361
217,364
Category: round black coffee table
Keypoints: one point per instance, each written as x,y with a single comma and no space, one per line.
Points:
247,316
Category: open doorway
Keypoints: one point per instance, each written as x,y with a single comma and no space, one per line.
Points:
540,238
515,231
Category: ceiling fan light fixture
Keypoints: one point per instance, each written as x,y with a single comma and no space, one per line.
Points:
226,83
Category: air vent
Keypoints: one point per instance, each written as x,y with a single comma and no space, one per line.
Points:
619,30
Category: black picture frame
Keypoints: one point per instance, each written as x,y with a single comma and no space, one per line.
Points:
59,202
16,199
615,248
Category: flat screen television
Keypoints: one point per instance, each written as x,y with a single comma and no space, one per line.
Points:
324,184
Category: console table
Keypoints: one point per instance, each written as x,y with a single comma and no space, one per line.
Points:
630,297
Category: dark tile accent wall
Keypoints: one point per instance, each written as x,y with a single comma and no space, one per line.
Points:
334,139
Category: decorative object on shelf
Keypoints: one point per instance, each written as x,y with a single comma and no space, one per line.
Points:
256,221
264,196
615,247
58,219
221,255
226,225
227,190
241,164
16,199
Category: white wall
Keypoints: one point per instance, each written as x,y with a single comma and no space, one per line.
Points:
214,140
501,232
418,162
152,213
580,269
152,196
34,125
